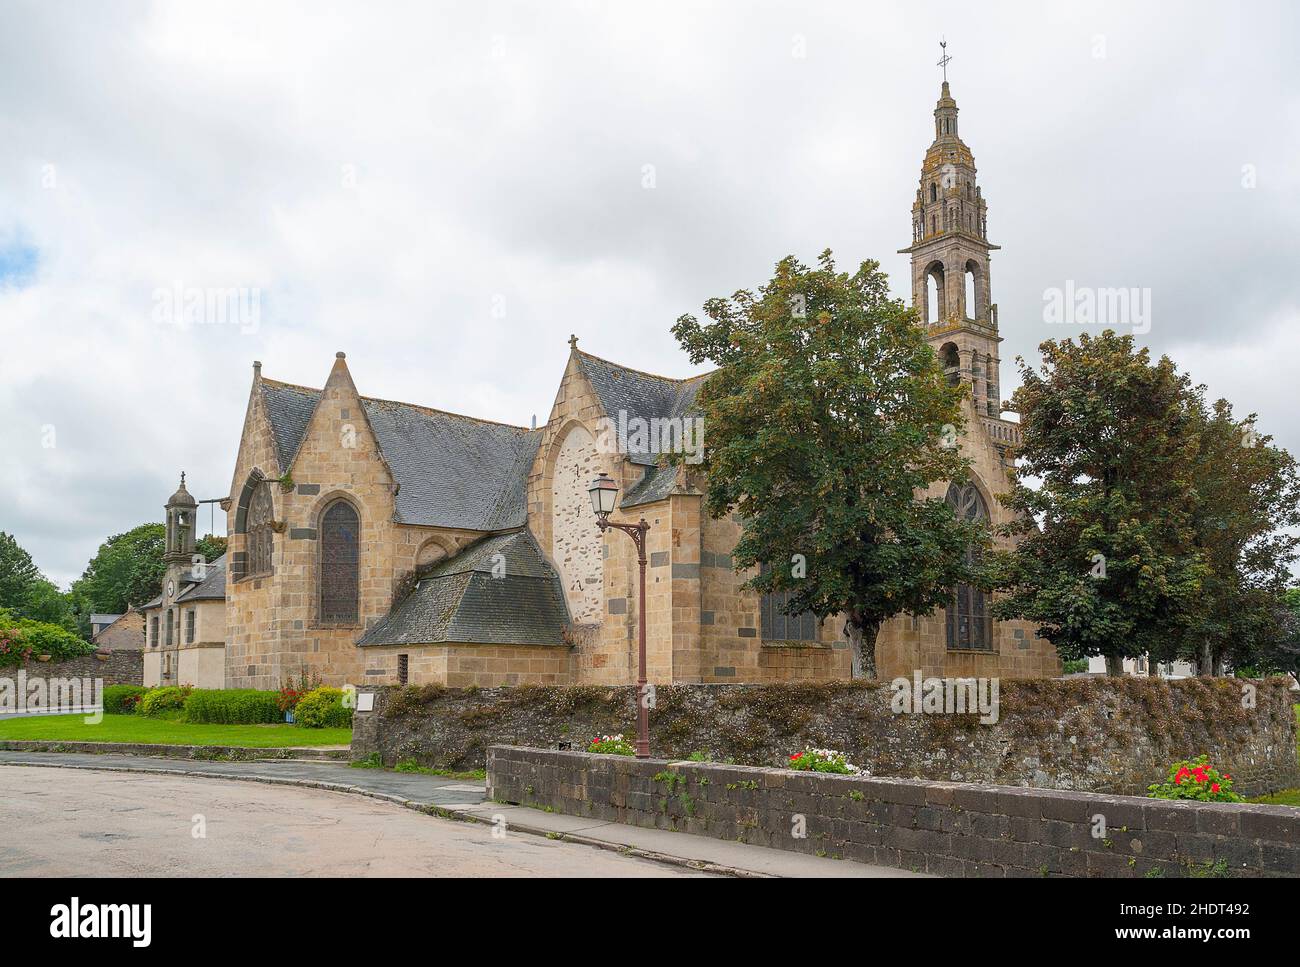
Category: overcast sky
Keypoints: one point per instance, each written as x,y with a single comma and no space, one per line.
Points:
447,191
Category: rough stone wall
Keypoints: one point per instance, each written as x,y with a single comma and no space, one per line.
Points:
576,546
1101,735
942,828
124,667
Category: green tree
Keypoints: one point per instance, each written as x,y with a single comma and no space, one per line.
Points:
827,422
1106,561
1245,513
128,569
26,592
18,574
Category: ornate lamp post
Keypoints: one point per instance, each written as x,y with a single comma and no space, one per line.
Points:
604,493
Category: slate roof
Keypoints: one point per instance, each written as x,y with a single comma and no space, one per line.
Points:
460,600
451,470
639,395
212,587
289,409
647,397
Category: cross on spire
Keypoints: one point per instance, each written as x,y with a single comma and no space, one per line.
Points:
943,60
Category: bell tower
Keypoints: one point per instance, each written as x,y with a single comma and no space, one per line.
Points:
182,509
950,260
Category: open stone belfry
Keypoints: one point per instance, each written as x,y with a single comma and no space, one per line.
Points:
377,542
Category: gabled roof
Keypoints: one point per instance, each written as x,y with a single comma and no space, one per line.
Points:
500,590
639,395
451,470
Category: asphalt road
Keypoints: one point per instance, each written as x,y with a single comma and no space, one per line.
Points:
74,822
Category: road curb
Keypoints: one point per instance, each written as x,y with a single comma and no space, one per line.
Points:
198,753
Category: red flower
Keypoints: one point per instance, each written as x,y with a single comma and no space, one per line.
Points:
1214,787
1228,777
797,755
1201,777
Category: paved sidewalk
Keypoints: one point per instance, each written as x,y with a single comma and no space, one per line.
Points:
464,799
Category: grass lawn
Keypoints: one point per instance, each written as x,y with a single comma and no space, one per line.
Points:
134,728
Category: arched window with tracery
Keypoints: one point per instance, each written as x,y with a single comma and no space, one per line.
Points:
259,540
969,623
339,564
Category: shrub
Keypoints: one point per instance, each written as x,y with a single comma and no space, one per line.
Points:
22,639
323,708
611,745
1194,779
823,760
163,702
292,691
122,699
232,706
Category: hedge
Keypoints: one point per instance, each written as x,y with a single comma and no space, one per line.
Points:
122,699
160,702
232,706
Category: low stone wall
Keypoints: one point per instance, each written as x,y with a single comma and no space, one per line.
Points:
115,668
1102,735
944,828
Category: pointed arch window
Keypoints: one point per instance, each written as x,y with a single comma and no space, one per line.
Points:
260,534
969,623
339,564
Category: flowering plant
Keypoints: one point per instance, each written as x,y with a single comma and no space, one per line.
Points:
1195,779
291,692
824,760
13,650
287,700
611,745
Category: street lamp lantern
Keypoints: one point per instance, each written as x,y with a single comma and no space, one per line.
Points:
604,493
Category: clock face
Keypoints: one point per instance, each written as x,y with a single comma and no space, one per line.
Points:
171,588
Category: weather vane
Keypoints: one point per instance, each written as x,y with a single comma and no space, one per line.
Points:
943,61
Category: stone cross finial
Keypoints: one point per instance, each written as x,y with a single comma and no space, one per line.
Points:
573,341
943,61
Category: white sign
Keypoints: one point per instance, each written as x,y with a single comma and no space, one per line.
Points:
365,701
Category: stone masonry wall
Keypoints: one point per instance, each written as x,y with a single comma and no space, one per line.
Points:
942,828
124,667
1101,735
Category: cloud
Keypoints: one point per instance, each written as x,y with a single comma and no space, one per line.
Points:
390,178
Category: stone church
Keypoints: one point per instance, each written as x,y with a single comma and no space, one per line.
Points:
376,542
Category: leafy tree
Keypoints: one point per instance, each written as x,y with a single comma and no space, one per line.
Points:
26,592
45,602
18,574
1246,509
1106,561
828,420
128,568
